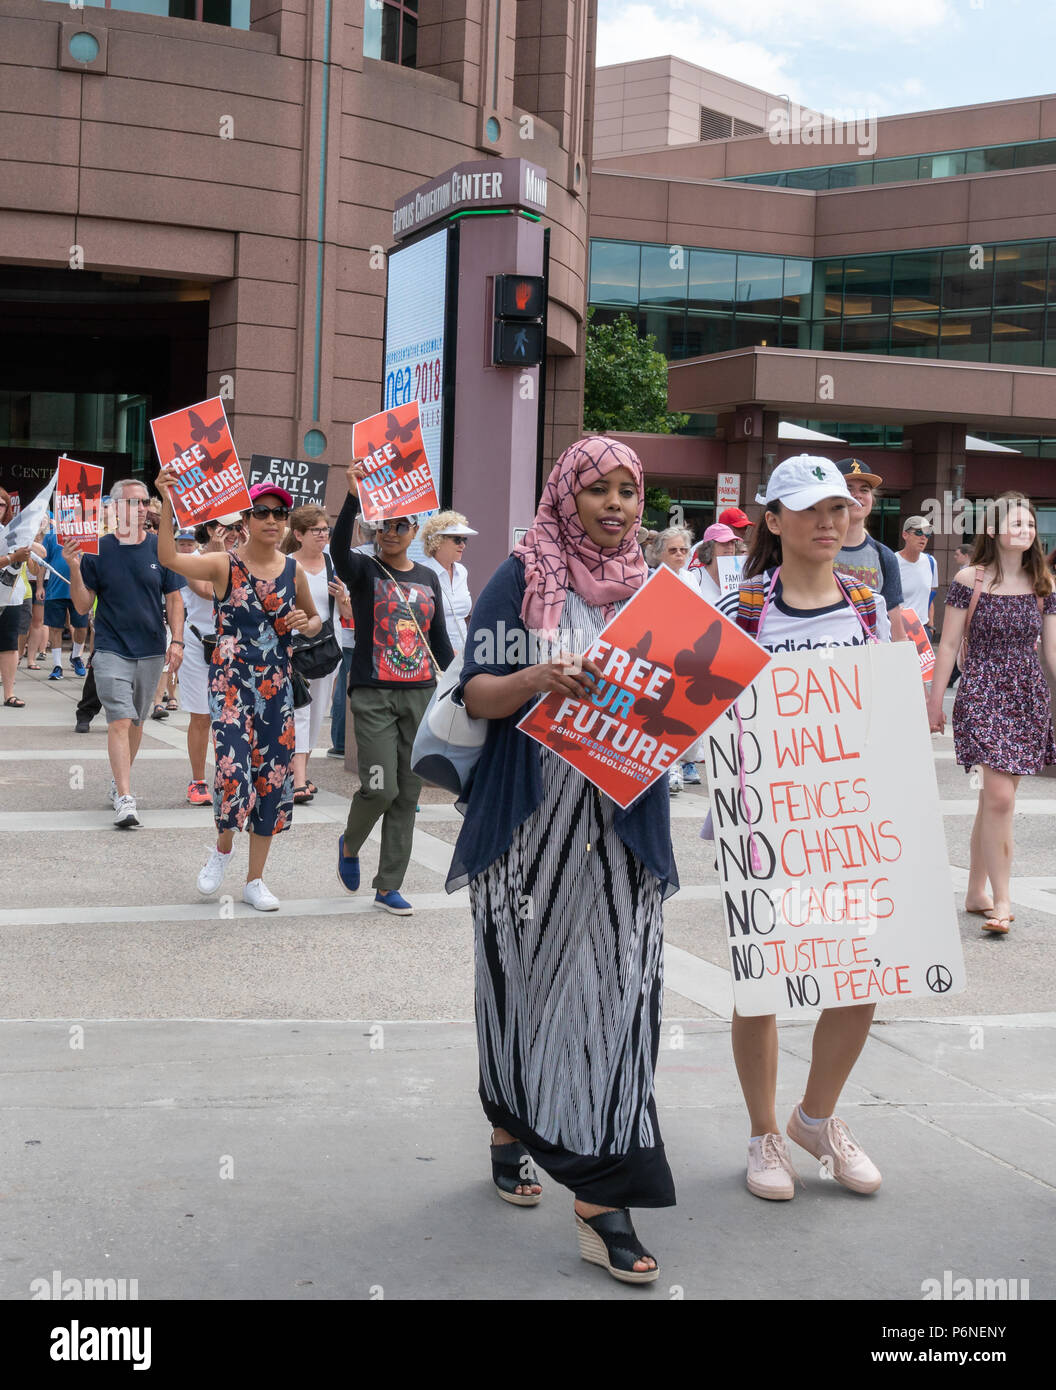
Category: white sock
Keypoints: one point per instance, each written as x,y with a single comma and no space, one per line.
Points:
78,647
808,1121
56,656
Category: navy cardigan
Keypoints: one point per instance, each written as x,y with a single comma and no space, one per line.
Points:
507,784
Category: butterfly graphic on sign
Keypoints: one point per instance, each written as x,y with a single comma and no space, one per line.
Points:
651,710
212,434
698,663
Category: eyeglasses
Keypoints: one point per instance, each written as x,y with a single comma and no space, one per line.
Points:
319,530
264,513
394,528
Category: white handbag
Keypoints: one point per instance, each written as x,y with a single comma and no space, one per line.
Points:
449,740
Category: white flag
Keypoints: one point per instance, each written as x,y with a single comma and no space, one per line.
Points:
22,530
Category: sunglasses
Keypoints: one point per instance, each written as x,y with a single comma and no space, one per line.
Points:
394,528
264,513
916,531
458,540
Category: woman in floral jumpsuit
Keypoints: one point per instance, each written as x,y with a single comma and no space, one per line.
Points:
261,597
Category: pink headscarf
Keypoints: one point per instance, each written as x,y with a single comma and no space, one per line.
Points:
557,552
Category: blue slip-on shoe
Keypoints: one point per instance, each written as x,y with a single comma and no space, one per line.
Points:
347,869
78,667
393,902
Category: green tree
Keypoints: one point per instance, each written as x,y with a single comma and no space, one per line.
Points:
625,384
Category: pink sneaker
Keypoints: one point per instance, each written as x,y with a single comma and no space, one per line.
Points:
770,1171
833,1145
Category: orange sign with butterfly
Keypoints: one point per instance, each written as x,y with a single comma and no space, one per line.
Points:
671,664
400,481
197,443
78,503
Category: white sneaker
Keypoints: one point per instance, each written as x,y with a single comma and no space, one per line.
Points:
674,778
770,1171
125,813
111,795
211,877
258,896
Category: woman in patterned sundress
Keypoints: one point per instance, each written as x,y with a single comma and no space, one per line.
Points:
261,597
566,889
1002,720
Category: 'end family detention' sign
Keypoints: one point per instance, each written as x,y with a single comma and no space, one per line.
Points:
851,902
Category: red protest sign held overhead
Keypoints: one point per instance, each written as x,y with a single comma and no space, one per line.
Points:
197,443
78,503
916,634
671,664
400,481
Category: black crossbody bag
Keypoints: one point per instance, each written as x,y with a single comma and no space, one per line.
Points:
315,657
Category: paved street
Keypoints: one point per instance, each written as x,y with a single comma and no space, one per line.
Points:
221,1103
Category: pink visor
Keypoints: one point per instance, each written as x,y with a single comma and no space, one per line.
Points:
270,489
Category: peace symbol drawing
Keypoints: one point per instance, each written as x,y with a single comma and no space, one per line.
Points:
939,978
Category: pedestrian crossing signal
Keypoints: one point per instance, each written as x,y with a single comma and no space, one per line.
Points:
520,302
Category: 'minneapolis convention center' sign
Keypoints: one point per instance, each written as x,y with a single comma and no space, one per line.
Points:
476,185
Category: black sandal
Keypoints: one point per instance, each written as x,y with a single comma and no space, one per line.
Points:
609,1240
13,702
301,796
509,1164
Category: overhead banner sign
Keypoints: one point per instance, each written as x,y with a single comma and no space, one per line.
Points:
78,504
671,664
851,900
400,481
197,443
304,480
474,185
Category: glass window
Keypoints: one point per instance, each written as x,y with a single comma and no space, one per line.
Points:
867,285
668,329
866,335
1018,337
1050,340
759,283
830,337
968,277
371,31
808,178
941,166
828,290
795,334
749,331
799,280
916,336
1020,274
986,161
708,333
712,278
664,275
917,282
1038,152
851,175
965,337
896,170
614,272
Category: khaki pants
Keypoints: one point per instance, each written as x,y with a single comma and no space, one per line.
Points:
385,723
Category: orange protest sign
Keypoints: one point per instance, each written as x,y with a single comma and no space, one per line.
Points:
197,442
78,503
400,481
671,665
916,634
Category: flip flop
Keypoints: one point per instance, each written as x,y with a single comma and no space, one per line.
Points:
13,702
997,925
33,666
301,795
980,911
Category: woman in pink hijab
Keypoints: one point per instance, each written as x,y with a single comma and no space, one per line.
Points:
566,888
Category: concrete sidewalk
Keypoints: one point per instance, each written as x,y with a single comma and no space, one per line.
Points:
315,1160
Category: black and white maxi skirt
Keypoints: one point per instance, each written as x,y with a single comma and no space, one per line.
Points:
569,976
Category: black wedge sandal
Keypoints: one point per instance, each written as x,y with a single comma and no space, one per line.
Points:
609,1240
509,1163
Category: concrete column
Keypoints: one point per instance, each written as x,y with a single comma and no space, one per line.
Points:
496,408
938,470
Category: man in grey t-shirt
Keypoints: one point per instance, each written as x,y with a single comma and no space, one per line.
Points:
864,558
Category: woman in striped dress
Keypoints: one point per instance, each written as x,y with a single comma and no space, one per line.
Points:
566,888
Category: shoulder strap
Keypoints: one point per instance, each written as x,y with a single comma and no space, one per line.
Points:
329,580
974,601
410,609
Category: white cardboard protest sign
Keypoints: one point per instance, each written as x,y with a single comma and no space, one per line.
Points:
729,567
852,902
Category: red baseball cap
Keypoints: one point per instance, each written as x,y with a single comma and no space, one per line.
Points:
734,518
264,489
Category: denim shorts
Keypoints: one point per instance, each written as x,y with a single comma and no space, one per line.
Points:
55,610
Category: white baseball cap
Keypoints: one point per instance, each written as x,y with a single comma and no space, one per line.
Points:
802,481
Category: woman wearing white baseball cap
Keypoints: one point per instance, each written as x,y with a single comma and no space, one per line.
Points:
792,598
443,538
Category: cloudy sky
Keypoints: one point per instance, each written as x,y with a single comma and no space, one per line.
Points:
876,56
